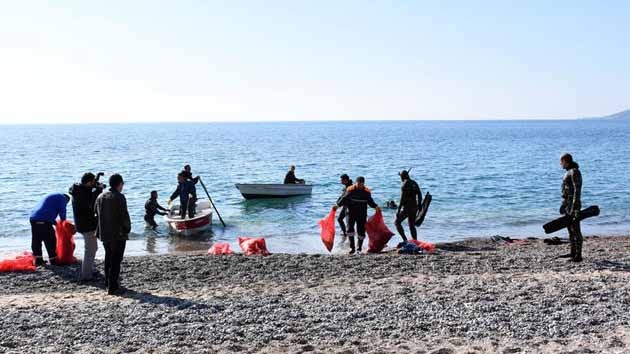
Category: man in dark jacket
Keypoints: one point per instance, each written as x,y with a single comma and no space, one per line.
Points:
152,208
113,228
187,194
410,200
43,218
290,178
341,219
357,199
188,174
84,196
572,204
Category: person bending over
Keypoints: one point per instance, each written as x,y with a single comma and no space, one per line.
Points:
152,208
43,218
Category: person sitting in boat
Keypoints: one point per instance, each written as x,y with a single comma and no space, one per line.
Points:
152,208
188,174
187,194
290,177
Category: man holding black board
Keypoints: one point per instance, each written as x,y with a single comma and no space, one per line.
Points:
571,204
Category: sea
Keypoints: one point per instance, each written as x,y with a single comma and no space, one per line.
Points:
486,177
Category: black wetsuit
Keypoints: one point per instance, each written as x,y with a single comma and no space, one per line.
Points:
571,206
410,200
152,208
344,210
357,201
291,179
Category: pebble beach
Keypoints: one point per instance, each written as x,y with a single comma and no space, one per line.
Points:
475,296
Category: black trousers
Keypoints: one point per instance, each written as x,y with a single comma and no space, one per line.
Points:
358,222
187,205
409,214
114,251
43,231
341,219
150,220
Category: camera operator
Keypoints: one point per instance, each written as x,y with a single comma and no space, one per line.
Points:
84,195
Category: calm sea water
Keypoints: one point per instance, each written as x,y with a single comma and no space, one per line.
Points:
486,178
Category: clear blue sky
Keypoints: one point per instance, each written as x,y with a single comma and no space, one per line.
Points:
95,61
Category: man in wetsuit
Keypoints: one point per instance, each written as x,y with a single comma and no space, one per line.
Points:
342,218
187,194
357,198
572,204
152,208
290,177
410,201
188,174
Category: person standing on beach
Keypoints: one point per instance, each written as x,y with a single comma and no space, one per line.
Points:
187,194
572,204
43,218
84,196
357,199
152,208
290,178
113,228
410,201
342,218
188,174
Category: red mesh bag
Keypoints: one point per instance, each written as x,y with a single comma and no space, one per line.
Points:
24,262
253,246
378,233
220,248
64,230
427,246
328,230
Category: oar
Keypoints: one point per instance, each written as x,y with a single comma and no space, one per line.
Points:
211,202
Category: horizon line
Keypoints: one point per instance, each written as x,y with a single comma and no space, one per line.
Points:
137,122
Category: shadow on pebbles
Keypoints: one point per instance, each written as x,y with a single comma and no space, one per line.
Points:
477,296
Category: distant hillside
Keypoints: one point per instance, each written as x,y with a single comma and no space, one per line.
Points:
624,115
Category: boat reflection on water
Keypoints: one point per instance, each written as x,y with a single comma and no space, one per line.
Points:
195,242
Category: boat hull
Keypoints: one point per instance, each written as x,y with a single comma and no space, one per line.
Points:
190,226
265,191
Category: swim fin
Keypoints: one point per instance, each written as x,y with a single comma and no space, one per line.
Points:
564,221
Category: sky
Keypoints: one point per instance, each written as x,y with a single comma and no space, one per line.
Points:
155,61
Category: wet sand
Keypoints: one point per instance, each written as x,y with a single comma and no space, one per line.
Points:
476,296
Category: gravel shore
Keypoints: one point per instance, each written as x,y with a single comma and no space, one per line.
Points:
477,296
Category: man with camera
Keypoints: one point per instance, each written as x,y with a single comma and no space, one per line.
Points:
84,196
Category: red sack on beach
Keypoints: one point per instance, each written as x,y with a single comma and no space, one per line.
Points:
429,247
252,246
378,233
64,230
24,262
220,248
328,230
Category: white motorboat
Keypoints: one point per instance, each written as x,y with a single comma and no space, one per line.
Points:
260,191
200,222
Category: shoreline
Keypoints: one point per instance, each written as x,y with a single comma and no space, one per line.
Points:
475,296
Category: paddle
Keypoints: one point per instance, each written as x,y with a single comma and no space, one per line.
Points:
211,202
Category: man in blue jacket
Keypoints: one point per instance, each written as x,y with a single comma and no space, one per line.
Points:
187,194
43,218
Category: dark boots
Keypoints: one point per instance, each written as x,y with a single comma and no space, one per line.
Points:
360,244
352,249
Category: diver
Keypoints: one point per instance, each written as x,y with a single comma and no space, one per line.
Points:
343,215
571,204
187,194
152,208
290,177
410,201
357,198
